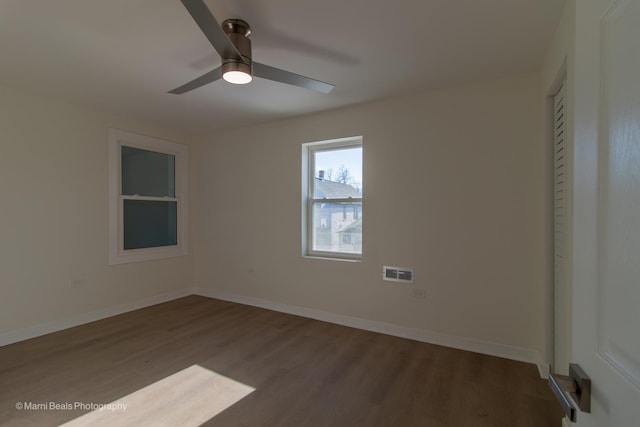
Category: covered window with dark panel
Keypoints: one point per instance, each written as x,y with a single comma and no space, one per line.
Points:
148,197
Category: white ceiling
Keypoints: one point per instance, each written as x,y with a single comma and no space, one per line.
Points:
123,56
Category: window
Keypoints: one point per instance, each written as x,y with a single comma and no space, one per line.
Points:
332,198
147,198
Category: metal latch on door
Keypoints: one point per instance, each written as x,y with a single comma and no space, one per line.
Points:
578,385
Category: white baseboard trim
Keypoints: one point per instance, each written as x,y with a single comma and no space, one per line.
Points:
469,344
11,337
543,369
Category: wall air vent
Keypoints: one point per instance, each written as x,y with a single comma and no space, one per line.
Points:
397,274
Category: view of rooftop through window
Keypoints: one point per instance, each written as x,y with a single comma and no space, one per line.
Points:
343,166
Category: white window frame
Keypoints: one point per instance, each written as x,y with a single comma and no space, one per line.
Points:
117,254
308,172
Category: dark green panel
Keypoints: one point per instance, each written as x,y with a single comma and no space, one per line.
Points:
147,173
150,224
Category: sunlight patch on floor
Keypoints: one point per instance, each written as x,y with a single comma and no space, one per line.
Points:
187,398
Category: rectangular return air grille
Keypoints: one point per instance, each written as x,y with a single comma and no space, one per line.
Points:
397,274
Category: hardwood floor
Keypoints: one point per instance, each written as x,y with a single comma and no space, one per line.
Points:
304,372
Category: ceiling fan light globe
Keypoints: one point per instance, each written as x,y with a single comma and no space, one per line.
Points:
237,77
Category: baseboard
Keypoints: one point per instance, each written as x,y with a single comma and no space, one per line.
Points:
462,343
543,369
58,325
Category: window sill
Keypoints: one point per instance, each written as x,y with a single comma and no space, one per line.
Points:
141,255
330,258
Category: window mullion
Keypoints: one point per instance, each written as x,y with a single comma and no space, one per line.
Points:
348,200
149,198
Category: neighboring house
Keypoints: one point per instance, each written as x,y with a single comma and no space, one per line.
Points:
351,236
338,224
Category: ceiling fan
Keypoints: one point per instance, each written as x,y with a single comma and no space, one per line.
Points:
231,41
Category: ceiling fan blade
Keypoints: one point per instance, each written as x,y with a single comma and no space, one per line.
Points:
204,79
282,76
212,29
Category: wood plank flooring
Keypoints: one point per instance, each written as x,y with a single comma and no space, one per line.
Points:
304,372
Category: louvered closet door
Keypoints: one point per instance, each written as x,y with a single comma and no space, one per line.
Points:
559,229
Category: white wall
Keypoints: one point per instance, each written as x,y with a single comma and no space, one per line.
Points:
454,187
53,217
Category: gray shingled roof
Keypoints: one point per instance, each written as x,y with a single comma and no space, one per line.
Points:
334,190
354,227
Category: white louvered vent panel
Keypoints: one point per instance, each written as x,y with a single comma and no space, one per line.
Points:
560,172
560,159
397,274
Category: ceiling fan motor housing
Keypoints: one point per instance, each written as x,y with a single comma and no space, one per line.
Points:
238,32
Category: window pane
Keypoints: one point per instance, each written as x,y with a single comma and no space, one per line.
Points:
337,227
149,224
338,173
147,173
